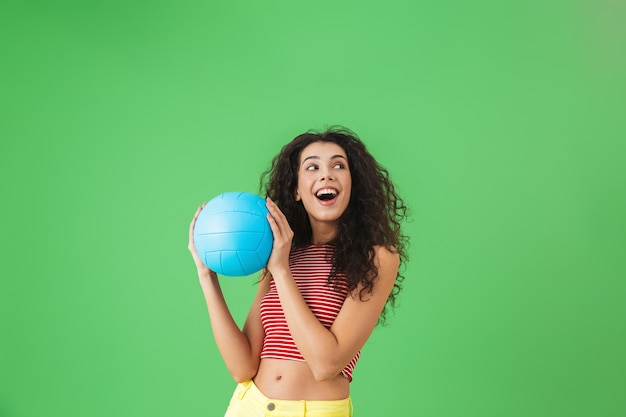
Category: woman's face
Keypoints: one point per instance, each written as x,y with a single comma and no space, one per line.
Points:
324,181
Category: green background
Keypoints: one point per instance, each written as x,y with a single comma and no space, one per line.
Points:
502,124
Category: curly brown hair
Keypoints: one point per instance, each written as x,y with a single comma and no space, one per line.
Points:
373,216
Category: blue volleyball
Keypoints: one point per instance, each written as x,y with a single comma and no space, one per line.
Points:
232,234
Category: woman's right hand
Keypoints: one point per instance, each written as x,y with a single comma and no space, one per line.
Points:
203,270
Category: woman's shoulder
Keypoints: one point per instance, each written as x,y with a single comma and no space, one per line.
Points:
386,257
386,251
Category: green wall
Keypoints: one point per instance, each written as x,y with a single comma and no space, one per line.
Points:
501,123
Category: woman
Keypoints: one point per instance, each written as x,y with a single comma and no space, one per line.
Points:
334,266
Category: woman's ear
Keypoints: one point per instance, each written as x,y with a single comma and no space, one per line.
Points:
297,195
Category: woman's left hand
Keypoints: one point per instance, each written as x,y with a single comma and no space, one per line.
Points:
283,235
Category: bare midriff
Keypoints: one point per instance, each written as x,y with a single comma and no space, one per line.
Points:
284,379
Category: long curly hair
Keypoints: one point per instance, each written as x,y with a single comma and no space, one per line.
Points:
373,216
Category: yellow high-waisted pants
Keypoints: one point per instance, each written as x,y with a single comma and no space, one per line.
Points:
248,401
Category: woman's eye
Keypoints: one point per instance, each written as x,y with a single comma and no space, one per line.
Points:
311,168
339,165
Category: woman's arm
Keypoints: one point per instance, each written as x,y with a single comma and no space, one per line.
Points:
328,351
240,349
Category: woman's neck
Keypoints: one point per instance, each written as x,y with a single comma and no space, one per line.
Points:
323,233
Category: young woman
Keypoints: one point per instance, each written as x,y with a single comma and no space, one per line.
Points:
333,269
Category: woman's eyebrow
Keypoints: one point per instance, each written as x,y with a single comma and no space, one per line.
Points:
310,157
318,158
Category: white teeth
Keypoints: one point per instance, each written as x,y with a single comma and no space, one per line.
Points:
324,191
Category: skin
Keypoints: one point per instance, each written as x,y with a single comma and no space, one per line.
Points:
326,351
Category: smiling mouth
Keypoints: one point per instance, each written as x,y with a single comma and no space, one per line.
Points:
326,194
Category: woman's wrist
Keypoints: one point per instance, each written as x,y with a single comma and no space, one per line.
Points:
281,274
206,275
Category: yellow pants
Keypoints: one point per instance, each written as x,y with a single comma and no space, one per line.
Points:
248,401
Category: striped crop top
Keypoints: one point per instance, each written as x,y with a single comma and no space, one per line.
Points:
310,267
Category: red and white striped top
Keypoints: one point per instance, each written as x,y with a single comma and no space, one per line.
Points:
310,267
